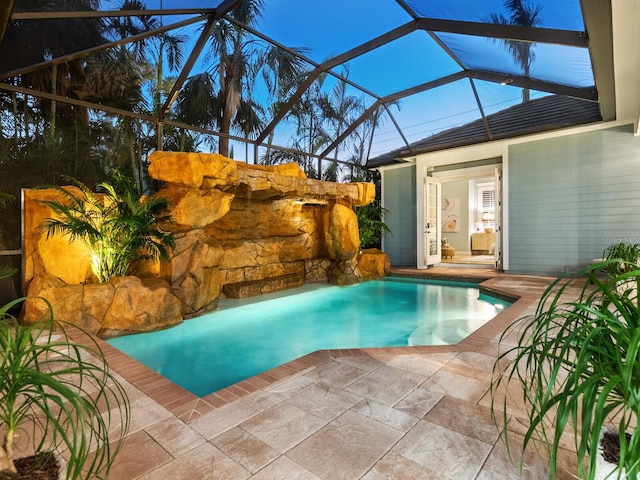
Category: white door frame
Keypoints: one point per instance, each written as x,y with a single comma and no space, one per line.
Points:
498,252
433,221
424,259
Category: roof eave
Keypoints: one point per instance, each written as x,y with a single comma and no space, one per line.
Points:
598,23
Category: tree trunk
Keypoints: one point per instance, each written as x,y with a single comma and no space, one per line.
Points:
526,93
25,111
6,454
54,91
223,142
158,99
133,162
16,131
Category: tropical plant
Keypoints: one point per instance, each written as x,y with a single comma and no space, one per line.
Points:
320,115
576,360
60,396
371,225
6,199
43,139
523,14
239,60
117,227
627,254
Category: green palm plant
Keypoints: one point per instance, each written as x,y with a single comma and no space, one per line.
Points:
239,61
59,395
117,227
522,14
578,363
371,225
6,199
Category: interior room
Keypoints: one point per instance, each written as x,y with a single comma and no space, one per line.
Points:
469,215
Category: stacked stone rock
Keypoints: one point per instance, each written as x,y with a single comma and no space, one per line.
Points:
240,229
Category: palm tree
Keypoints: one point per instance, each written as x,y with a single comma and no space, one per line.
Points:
522,14
240,59
318,118
196,104
229,47
117,228
6,199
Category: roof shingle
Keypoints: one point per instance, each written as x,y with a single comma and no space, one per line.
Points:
540,115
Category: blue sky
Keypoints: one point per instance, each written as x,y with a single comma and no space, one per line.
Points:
331,27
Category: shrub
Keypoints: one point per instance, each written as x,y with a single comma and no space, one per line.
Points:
371,226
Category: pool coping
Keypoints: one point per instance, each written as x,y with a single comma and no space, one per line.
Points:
189,407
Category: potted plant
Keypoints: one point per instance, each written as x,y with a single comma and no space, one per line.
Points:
624,257
117,227
58,395
627,254
577,360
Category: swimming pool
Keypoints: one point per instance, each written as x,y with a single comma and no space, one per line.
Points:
246,337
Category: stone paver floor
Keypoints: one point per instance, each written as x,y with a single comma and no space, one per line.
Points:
372,414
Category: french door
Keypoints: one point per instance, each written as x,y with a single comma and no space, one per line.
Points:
432,250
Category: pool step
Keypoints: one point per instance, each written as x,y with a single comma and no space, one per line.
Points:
259,287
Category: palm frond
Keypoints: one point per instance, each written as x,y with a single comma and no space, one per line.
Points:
117,227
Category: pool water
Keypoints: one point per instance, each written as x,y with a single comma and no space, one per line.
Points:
246,337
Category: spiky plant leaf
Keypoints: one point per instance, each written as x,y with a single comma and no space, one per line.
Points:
577,362
60,395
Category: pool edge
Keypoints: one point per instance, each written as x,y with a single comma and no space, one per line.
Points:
189,407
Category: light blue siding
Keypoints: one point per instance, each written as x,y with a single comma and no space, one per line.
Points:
570,197
399,191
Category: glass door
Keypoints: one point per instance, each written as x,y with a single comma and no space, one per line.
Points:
497,254
432,254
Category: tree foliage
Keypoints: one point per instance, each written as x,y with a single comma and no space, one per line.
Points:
117,227
521,13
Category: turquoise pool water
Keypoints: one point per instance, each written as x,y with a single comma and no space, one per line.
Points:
246,337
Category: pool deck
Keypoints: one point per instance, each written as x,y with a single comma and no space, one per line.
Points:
372,414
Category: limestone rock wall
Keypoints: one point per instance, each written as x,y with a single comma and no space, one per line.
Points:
242,229
121,306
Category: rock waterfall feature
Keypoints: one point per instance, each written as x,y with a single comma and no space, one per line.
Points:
241,230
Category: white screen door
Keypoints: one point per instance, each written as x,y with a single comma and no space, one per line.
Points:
432,251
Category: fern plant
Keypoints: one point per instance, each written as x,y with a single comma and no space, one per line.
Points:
578,363
117,227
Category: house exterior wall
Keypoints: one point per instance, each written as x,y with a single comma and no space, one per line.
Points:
399,198
569,197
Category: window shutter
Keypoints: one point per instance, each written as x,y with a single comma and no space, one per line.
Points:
489,201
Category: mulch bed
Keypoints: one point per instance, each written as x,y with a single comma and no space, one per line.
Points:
42,466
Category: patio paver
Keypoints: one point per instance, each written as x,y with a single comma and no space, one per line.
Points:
372,414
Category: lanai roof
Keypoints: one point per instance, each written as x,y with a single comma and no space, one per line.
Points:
423,66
